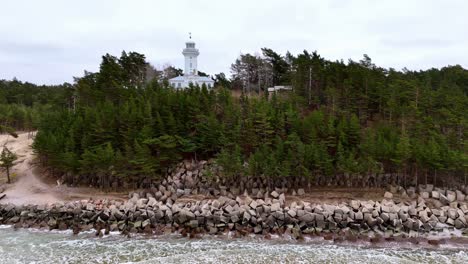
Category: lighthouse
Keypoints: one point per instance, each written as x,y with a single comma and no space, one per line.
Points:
191,54
190,75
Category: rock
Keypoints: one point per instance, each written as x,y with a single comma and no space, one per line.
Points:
180,192
385,217
355,204
452,213
152,202
253,204
424,195
275,207
215,204
443,199
213,230
459,224
141,203
90,207
460,196
258,229
388,195
411,192
274,194
358,216
449,221
292,213
307,218
429,187
282,198
300,192
193,223
239,200
435,194
52,223
145,223
451,196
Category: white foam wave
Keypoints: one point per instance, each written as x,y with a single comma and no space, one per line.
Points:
24,246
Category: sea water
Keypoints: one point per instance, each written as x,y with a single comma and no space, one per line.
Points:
35,246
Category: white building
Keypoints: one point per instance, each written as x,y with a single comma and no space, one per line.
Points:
278,88
191,71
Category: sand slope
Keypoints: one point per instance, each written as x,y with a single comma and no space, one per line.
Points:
29,188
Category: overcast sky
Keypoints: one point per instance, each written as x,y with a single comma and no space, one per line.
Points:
49,42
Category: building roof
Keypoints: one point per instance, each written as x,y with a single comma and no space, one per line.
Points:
279,88
178,78
191,78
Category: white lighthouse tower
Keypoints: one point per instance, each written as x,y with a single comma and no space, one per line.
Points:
190,53
191,69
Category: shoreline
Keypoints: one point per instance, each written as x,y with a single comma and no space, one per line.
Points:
454,243
385,221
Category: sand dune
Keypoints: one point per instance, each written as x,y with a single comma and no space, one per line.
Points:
29,188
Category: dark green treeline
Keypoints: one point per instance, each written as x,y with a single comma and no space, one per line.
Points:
22,104
341,119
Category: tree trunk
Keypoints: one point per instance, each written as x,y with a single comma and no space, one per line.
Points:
465,177
425,177
8,174
416,174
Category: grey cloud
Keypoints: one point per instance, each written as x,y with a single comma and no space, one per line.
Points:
29,48
50,41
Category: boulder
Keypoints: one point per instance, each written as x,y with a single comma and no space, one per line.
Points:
411,191
193,223
424,195
152,202
307,218
258,229
300,192
253,204
385,217
145,223
388,195
274,194
443,199
355,204
52,223
459,224
358,216
429,187
292,213
282,198
451,196
215,204
275,207
460,196
180,192
452,213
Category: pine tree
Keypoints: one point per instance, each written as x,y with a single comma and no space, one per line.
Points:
7,158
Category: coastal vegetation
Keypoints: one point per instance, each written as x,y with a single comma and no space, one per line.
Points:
123,126
7,158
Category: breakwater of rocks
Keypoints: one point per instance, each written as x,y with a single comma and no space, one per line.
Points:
245,215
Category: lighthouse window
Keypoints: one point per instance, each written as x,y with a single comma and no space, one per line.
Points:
190,65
